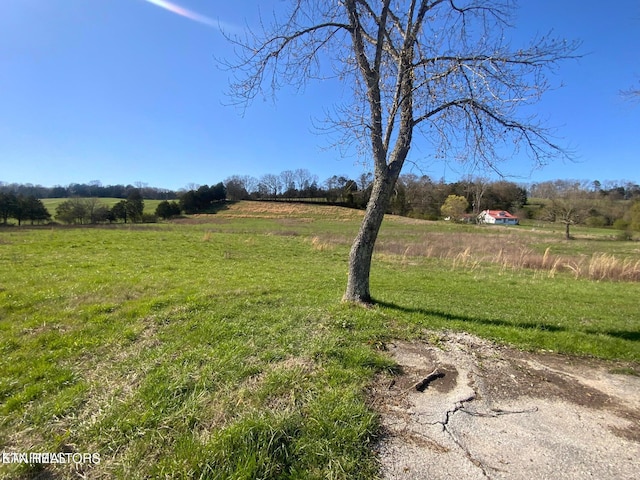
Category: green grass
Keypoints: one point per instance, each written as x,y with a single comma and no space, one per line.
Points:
52,203
217,347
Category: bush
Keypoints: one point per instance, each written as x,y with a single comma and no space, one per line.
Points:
620,224
166,209
634,216
596,221
624,235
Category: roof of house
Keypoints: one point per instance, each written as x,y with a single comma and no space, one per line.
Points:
499,214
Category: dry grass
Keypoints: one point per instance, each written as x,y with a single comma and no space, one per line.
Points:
300,211
465,249
320,245
470,250
603,266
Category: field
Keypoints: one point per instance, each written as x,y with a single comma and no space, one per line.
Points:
52,203
216,346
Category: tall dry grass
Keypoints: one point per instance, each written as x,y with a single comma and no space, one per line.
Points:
319,244
603,266
470,250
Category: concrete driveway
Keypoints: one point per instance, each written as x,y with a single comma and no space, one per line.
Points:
466,408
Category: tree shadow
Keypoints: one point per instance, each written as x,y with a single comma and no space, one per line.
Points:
220,206
623,334
632,336
463,318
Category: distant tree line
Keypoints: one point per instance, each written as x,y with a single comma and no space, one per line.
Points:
83,211
569,202
87,190
414,196
300,185
591,203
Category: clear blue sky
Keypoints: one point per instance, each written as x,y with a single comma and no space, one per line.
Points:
125,91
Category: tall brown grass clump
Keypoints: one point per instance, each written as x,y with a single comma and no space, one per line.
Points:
604,266
318,244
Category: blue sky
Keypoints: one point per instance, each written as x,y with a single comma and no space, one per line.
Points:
125,91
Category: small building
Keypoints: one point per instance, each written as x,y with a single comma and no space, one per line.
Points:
497,217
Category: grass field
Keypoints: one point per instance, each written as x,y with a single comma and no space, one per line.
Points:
216,346
52,203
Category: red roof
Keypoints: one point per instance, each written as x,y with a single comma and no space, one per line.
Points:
500,214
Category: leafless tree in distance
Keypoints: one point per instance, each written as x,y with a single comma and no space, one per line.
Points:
443,69
569,207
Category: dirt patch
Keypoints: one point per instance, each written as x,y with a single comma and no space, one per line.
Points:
467,408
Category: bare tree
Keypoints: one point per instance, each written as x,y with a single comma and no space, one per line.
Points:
569,209
476,189
568,203
304,179
272,184
287,177
250,183
364,180
441,68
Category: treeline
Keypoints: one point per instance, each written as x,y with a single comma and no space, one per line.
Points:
572,202
91,210
74,210
299,184
568,201
88,190
413,196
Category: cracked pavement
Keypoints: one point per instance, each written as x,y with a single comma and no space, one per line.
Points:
491,412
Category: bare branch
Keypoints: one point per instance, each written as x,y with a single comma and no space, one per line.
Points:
282,53
441,68
631,94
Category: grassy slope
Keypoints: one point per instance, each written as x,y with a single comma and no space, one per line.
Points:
218,348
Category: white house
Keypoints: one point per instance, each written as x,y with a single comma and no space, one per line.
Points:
497,217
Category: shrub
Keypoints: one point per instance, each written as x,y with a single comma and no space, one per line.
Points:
596,221
166,209
624,235
634,216
620,224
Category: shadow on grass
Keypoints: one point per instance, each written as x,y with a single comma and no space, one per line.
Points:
624,335
632,336
466,319
219,206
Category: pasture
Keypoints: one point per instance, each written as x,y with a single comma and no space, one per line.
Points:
216,346
52,203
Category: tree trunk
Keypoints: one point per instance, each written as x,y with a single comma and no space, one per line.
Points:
567,236
362,249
